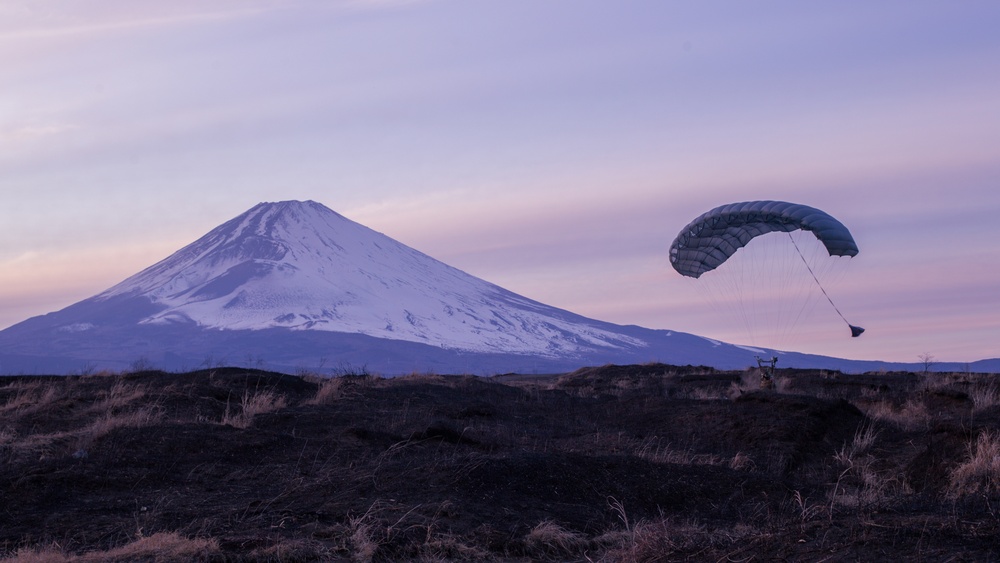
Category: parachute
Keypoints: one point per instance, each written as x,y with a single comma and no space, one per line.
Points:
713,238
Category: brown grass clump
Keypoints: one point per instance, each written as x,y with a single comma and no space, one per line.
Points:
119,396
911,415
363,539
164,547
251,405
984,395
111,421
864,438
38,555
31,432
980,473
30,398
161,547
446,547
552,539
860,484
653,450
667,540
329,390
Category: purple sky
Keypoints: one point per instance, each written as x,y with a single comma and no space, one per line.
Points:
554,148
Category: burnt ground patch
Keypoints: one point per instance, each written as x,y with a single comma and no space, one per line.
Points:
617,463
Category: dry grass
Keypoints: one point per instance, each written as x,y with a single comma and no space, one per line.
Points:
251,405
112,421
864,438
119,396
329,391
911,415
932,381
366,534
668,540
860,485
984,395
552,539
293,550
652,449
742,462
19,394
709,394
446,548
980,473
363,541
164,547
81,420
78,440
30,398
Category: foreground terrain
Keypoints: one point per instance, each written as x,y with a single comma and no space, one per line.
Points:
617,463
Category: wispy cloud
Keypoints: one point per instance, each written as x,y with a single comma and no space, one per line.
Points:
32,132
93,18
39,19
35,281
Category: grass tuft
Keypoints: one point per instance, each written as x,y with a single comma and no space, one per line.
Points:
912,415
980,473
551,539
984,395
251,405
164,547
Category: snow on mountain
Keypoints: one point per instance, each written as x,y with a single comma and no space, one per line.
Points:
301,266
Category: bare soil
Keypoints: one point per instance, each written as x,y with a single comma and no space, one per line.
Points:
616,463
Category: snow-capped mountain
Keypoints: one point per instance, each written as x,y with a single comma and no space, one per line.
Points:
293,285
301,266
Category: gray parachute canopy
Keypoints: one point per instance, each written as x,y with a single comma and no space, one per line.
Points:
712,238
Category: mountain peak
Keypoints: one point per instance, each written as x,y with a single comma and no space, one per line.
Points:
262,235
288,209
278,220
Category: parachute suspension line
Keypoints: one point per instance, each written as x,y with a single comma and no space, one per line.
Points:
855,330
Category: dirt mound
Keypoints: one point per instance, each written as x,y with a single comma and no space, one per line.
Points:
797,430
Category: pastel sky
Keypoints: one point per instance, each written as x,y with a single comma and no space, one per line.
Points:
553,147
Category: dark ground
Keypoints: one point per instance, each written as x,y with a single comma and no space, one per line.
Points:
618,463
